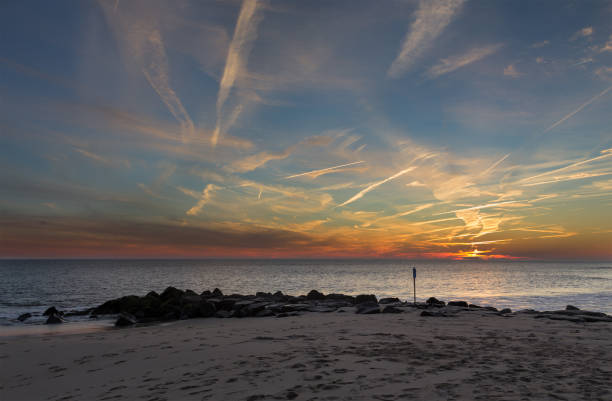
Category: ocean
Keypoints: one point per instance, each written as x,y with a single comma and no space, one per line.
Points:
33,285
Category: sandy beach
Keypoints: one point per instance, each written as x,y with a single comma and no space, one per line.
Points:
475,355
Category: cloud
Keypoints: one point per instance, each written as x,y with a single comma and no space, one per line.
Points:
257,160
604,73
510,71
455,62
607,47
540,44
432,17
157,73
364,191
486,206
237,54
604,154
204,199
582,106
582,33
570,177
317,173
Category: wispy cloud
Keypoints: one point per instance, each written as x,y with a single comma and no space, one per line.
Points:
569,177
582,33
157,73
540,44
431,19
257,160
364,191
511,71
607,47
582,106
317,173
453,63
479,207
204,199
240,46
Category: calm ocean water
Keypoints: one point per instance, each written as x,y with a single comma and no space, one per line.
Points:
34,285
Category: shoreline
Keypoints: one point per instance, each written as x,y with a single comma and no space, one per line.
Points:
472,355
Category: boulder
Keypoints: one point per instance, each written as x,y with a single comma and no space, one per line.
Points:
171,293
389,300
217,293
206,294
152,294
52,311
368,308
571,307
490,308
341,297
472,306
433,301
458,303
264,313
24,316
125,319
314,295
505,310
54,319
391,309
363,298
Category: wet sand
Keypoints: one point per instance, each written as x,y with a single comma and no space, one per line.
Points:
333,356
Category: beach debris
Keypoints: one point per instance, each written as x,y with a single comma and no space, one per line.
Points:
433,301
24,316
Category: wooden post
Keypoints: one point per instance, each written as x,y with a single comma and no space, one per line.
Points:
414,282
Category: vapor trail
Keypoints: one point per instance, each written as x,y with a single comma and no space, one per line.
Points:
582,106
313,172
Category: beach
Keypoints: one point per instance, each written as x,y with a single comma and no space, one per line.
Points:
475,354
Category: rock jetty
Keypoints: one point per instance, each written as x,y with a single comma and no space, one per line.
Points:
175,304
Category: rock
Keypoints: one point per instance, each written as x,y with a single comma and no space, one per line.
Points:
260,294
389,300
217,293
152,294
490,308
125,319
368,308
24,316
82,312
363,298
223,314
291,395
505,310
54,319
278,294
315,295
433,301
341,297
571,307
52,311
190,293
171,293
206,294
391,309
472,306
458,303
264,313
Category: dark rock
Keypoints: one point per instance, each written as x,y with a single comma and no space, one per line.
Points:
391,309
217,292
472,306
171,293
458,303
52,311
291,395
433,301
253,309
278,294
282,314
389,300
54,319
315,295
368,308
571,307
190,293
82,312
152,294
264,313
223,304
341,297
24,316
506,310
363,298
260,294
490,308
206,294
224,314
125,319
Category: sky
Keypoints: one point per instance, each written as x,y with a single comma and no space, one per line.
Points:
401,129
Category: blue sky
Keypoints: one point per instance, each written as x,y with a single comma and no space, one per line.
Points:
416,129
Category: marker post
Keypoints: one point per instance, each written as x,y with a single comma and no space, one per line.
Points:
414,282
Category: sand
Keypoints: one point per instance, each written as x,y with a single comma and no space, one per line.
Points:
315,356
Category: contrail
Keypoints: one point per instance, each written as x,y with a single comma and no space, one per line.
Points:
497,163
488,205
323,170
376,184
582,106
606,153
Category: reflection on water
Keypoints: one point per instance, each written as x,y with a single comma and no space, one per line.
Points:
31,286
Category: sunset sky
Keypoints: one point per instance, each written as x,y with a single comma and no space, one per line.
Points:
416,129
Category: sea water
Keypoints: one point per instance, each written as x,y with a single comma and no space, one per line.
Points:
34,285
